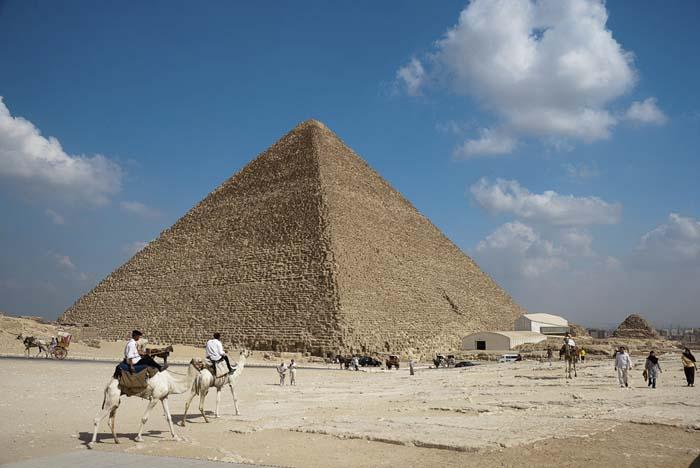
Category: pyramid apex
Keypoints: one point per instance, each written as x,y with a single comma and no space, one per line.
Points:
312,123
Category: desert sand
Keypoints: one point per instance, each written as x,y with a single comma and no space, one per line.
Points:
512,414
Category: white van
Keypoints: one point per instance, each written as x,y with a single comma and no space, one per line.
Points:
510,357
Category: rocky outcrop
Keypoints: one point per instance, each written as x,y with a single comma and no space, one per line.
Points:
578,330
636,326
305,249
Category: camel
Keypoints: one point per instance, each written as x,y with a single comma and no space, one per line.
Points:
571,356
160,386
205,380
31,342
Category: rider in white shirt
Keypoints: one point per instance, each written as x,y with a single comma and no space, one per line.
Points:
570,341
215,351
133,356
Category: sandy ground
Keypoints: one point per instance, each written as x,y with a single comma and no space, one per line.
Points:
514,414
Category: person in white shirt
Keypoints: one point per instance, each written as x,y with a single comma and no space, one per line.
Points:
292,373
570,341
215,351
282,371
133,355
623,364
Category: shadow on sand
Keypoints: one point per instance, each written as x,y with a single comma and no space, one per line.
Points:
696,463
102,437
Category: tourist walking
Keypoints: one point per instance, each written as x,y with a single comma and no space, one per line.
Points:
582,354
652,368
356,363
689,366
623,364
282,371
292,373
549,355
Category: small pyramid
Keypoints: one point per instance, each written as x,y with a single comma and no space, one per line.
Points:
636,326
305,249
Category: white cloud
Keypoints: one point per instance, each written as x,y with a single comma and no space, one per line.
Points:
412,77
546,68
646,112
576,243
63,261
508,196
133,248
676,241
40,163
556,270
55,217
139,209
489,143
515,249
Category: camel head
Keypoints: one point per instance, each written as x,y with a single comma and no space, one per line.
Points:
197,363
245,353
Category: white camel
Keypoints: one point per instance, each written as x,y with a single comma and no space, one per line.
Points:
205,380
159,387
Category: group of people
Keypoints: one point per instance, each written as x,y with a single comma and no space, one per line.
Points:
652,368
282,370
136,355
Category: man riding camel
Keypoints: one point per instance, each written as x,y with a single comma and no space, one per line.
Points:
569,341
133,355
216,353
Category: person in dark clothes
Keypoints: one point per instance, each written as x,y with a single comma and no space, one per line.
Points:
689,366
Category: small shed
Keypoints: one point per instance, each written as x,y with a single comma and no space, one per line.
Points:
547,324
500,340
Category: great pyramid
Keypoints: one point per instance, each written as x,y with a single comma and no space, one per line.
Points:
305,249
635,326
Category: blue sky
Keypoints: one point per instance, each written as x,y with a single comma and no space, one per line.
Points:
556,142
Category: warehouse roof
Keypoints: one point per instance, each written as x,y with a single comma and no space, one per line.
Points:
548,318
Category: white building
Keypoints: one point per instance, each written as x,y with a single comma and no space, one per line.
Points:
542,323
500,340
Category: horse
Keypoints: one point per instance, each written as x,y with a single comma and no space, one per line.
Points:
32,342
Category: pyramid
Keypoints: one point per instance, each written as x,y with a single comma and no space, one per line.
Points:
635,326
305,249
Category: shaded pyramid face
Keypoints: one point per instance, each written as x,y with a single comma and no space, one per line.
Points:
305,249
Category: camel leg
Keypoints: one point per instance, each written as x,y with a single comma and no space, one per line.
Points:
151,404
218,400
100,416
202,396
187,406
166,409
109,407
112,423
235,399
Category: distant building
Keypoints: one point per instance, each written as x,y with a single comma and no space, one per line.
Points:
599,333
546,324
500,340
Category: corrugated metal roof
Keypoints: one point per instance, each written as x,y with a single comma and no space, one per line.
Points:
548,319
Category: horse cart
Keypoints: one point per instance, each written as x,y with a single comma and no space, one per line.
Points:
59,350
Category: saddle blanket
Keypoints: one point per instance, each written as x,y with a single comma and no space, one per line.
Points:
220,370
133,383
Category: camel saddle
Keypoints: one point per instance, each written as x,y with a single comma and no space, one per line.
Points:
218,370
134,383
